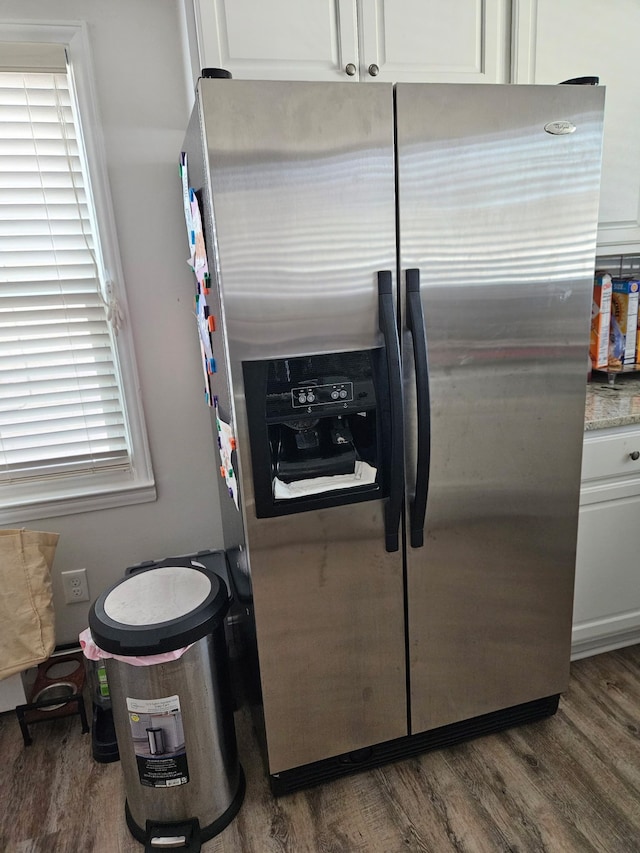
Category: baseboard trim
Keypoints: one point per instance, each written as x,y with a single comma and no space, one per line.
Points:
607,643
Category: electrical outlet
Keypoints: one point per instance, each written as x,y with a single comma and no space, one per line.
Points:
75,586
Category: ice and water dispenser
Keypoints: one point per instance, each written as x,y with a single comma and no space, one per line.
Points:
317,427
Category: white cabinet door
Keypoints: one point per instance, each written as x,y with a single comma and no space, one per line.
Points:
278,40
555,40
606,611
457,41
465,41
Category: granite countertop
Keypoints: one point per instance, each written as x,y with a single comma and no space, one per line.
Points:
612,405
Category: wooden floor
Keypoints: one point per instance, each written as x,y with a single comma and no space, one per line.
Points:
569,783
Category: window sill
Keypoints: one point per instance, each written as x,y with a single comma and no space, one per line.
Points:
69,500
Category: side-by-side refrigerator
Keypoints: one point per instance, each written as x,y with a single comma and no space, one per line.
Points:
400,280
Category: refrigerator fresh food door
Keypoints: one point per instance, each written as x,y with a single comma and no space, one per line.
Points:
498,202
301,179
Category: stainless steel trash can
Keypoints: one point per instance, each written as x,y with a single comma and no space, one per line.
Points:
173,719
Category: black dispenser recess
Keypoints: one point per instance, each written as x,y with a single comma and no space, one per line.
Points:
316,426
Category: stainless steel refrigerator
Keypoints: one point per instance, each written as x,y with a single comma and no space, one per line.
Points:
401,283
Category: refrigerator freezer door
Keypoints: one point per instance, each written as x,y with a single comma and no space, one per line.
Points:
301,181
499,216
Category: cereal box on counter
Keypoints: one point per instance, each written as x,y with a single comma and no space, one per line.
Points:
600,320
624,313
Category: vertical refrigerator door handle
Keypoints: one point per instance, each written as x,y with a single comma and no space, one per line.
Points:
389,329
415,322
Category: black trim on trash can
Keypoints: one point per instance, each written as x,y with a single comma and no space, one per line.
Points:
139,640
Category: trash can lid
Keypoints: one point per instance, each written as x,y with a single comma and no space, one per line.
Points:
158,610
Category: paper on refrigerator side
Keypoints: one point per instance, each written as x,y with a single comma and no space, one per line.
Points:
202,316
184,175
198,259
198,263
226,446
193,221
363,475
208,391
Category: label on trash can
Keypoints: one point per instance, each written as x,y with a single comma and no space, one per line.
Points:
158,741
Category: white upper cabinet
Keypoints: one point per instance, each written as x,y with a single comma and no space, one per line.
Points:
555,40
279,39
464,41
457,41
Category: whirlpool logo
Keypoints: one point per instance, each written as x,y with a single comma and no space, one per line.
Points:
560,128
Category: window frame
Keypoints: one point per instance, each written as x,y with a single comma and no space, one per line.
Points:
45,497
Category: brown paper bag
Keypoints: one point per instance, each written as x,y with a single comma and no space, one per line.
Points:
27,623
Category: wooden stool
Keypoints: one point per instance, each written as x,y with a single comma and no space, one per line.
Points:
57,692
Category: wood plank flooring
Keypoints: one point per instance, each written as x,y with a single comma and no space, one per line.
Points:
569,784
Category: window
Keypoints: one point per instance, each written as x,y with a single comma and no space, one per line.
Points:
71,430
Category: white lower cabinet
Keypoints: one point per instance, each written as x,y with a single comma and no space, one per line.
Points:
606,613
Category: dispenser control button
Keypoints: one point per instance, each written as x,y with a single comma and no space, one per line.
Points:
302,398
343,394
311,398
334,395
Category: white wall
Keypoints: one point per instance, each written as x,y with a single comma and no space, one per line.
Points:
144,103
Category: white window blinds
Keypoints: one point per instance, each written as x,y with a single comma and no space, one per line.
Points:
61,404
